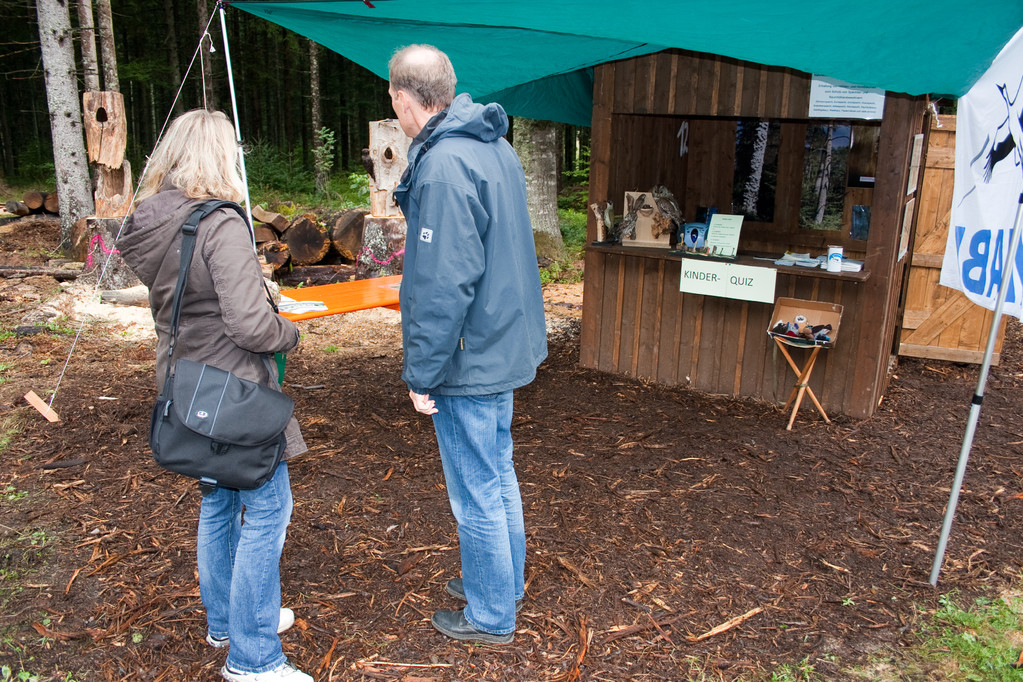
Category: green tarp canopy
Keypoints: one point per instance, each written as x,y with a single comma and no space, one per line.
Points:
537,58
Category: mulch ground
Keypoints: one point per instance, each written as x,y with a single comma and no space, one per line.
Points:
671,534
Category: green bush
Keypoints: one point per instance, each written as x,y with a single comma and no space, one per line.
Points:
573,231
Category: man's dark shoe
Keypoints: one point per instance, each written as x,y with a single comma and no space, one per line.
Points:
454,625
455,589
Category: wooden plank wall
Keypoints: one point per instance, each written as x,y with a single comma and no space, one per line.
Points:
635,320
939,322
648,329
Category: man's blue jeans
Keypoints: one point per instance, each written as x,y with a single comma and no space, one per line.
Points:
239,569
474,435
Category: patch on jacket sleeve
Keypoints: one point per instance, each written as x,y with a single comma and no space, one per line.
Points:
426,235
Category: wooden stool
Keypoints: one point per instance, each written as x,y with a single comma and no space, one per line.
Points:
802,379
810,313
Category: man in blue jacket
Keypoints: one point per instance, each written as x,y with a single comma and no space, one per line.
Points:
472,321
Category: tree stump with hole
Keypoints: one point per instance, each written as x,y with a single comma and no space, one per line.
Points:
388,146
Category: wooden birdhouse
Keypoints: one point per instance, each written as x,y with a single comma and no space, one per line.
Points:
388,150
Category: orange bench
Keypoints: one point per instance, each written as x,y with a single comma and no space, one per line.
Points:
346,297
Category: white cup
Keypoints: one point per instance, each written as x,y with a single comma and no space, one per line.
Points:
834,259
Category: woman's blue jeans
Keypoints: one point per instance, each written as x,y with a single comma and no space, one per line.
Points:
474,435
239,569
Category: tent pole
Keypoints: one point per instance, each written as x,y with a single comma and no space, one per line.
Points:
237,125
978,396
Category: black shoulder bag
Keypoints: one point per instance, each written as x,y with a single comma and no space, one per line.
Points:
207,423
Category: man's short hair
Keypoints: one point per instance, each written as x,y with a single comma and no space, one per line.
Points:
424,72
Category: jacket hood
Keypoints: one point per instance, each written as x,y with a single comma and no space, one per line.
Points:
152,229
465,118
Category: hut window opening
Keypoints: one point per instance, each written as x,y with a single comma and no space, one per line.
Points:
839,163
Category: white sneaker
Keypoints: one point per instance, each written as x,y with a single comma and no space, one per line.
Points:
287,619
285,673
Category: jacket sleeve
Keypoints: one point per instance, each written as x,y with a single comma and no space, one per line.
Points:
449,262
250,322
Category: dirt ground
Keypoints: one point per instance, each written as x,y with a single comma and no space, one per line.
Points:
655,515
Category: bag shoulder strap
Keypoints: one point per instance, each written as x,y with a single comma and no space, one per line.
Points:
188,235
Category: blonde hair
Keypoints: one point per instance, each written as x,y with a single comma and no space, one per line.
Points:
199,156
425,73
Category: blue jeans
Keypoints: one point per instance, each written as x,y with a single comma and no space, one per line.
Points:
239,569
474,435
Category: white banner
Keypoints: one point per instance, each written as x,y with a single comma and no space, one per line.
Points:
988,183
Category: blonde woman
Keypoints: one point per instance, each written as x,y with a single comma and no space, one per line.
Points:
225,322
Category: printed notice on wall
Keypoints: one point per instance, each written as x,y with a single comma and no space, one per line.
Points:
831,98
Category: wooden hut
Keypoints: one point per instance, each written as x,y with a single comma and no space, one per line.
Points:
635,319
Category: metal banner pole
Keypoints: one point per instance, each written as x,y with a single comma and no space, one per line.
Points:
234,110
978,396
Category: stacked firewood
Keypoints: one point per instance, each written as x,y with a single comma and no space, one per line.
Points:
309,248
33,202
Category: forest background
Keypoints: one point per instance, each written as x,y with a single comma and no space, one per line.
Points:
304,111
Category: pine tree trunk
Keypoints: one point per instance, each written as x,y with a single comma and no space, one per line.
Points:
316,112
208,95
824,177
172,53
106,45
71,165
536,144
751,192
87,30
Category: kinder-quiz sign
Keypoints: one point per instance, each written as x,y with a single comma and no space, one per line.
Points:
988,183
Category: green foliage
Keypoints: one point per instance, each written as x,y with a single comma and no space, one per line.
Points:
801,672
277,180
579,174
331,348
35,168
323,156
977,637
574,197
573,230
270,170
7,674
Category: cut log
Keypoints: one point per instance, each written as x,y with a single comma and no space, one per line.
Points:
346,232
33,199
60,274
309,275
17,208
264,233
136,296
307,241
275,220
51,203
275,253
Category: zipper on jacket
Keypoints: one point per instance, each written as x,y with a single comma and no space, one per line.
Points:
461,343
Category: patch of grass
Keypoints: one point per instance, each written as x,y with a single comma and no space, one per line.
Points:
332,348
10,427
976,641
12,494
801,672
977,636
